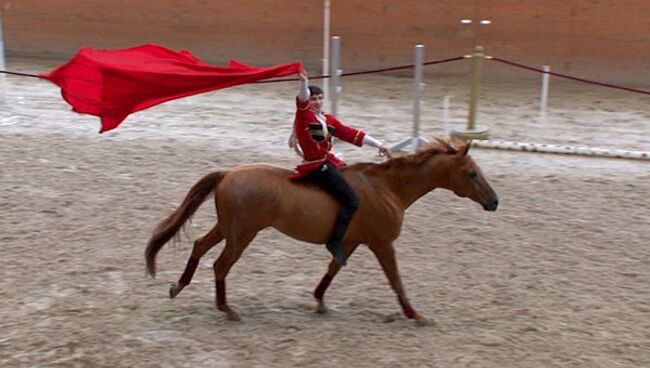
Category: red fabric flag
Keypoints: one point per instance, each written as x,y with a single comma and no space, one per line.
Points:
112,84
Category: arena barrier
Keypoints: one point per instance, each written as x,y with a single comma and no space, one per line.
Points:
559,149
335,73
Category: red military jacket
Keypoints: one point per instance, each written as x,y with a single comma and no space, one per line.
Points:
315,146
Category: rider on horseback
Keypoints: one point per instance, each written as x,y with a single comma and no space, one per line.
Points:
313,131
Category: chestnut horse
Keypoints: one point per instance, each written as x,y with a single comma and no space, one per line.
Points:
252,197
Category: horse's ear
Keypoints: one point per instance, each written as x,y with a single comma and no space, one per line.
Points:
441,142
467,146
461,145
457,144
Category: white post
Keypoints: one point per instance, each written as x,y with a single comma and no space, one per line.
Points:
544,99
326,43
334,73
417,97
12,119
3,65
445,114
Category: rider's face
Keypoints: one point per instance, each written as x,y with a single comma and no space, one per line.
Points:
316,102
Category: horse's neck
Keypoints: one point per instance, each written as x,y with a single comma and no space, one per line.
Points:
411,181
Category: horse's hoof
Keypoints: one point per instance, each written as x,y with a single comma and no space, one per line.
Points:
392,317
233,316
321,308
423,321
175,289
230,313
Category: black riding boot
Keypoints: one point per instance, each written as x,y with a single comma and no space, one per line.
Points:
335,244
330,178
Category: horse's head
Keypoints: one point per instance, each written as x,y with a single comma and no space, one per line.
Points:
466,179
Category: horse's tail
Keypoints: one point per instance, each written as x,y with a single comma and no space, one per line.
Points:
171,225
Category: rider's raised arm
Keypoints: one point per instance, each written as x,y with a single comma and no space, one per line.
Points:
303,89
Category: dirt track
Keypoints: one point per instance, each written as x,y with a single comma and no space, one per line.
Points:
558,277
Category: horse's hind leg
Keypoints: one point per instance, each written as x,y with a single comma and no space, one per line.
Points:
332,270
233,250
201,246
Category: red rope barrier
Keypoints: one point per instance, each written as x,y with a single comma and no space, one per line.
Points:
371,71
21,74
570,77
316,77
401,67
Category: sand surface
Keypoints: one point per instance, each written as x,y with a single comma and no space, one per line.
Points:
558,277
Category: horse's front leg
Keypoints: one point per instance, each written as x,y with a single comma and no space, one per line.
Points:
386,256
332,270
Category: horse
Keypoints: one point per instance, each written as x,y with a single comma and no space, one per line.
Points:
252,197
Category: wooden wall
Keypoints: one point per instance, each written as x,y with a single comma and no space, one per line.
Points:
603,39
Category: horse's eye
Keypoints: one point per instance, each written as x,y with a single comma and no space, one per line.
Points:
473,174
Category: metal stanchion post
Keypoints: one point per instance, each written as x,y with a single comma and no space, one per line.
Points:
3,65
334,74
417,97
471,130
12,119
544,99
326,43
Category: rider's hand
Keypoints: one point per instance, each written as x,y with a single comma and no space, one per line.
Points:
303,75
384,151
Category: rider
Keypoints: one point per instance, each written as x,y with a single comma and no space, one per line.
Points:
313,131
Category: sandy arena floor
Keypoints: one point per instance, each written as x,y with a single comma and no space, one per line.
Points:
557,277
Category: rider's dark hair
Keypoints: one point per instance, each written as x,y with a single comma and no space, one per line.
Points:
315,90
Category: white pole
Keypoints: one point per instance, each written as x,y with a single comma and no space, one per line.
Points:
544,101
415,139
567,150
334,73
419,56
445,115
3,65
326,43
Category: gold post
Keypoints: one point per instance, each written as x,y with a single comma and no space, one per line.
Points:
471,130
477,58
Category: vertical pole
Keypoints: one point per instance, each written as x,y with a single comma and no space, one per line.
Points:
326,43
334,73
477,61
445,114
544,101
417,97
3,64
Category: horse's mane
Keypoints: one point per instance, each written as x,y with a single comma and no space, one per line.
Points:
438,146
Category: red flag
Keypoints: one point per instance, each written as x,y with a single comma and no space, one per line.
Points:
112,84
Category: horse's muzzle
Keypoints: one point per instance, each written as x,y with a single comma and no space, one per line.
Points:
491,204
